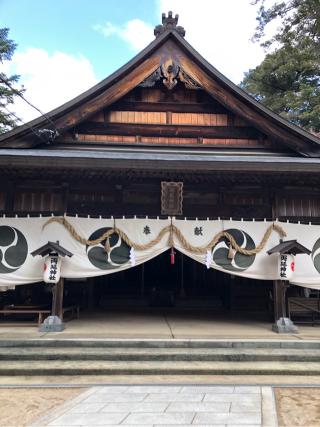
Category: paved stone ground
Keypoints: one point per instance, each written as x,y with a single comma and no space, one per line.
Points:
231,406
165,324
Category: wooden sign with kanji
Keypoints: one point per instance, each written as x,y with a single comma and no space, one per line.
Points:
171,198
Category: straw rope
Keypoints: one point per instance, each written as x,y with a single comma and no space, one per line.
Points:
172,230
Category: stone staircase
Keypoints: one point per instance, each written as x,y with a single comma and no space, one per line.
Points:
43,357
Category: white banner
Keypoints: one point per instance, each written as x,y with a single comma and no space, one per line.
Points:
21,236
247,234
307,267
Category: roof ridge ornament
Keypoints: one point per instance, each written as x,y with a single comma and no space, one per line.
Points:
169,23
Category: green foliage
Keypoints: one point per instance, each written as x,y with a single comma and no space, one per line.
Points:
299,19
288,79
7,90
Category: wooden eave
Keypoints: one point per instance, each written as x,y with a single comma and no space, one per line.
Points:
175,160
142,66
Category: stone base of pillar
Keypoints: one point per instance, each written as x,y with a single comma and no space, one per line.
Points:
52,324
284,325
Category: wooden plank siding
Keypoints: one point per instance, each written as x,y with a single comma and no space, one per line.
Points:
38,201
136,117
199,119
156,117
2,200
132,197
289,205
191,107
181,117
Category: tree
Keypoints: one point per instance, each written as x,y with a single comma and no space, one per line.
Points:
288,79
7,90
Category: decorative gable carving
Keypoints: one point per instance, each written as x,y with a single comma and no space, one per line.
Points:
170,73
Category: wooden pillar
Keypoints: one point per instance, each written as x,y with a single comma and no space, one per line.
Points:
279,299
182,290
57,299
278,292
282,323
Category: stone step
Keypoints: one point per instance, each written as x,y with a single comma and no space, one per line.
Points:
160,343
159,354
71,368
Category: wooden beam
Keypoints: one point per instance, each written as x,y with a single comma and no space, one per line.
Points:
110,95
184,131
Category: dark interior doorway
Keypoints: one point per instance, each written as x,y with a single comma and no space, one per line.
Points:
186,284
156,285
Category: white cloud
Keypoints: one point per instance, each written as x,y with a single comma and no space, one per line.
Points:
107,29
136,33
50,80
220,30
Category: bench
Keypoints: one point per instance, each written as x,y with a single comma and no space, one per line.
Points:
41,313
74,311
304,310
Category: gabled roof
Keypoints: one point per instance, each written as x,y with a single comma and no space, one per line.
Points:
50,248
169,44
289,247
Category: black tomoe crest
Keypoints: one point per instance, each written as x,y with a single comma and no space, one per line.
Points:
315,255
119,251
13,249
239,262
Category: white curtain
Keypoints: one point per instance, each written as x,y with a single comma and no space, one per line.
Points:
21,236
247,234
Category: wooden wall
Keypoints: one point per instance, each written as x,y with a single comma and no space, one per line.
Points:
37,201
177,117
302,205
143,198
2,201
159,116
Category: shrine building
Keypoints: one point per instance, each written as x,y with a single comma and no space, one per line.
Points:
163,186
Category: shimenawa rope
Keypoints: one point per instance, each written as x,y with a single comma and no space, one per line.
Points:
172,230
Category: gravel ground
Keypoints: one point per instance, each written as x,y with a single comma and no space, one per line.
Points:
298,406
20,407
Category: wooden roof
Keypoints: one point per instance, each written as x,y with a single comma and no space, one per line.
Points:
168,59
51,248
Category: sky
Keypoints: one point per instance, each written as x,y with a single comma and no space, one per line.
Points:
67,46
